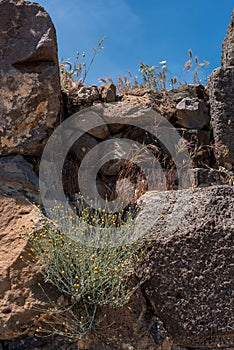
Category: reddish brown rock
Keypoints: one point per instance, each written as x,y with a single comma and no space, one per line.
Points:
30,100
19,293
108,92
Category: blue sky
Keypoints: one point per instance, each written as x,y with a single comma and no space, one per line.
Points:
148,31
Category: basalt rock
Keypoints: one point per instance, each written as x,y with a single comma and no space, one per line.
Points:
227,58
221,92
30,100
192,113
190,260
20,296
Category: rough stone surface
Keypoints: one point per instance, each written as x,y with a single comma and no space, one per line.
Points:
191,264
157,100
18,179
227,58
29,79
187,90
221,93
221,89
19,293
192,113
76,99
84,121
201,177
108,92
119,114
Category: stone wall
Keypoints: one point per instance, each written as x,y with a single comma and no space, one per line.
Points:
187,302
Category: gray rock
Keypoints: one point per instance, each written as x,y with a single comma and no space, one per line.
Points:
192,113
221,94
227,58
84,122
190,262
187,90
116,114
30,99
18,179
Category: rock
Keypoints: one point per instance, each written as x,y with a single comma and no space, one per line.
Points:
227,59
18,179
222,117
192,113
221,93
84,122
20,297
119,114
29,78
158,101
201,177
130,325
76,99
23,343
190,261
108,92
187,90
82,146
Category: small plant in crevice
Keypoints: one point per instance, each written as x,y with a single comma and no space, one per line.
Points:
126,83
194,65
154,77
159,77
88,265
75,74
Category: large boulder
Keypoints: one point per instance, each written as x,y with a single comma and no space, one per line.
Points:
190,261
221,92
30,101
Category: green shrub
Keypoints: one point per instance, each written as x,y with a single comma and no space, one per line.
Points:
87,264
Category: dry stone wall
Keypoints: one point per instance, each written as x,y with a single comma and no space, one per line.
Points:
187,303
